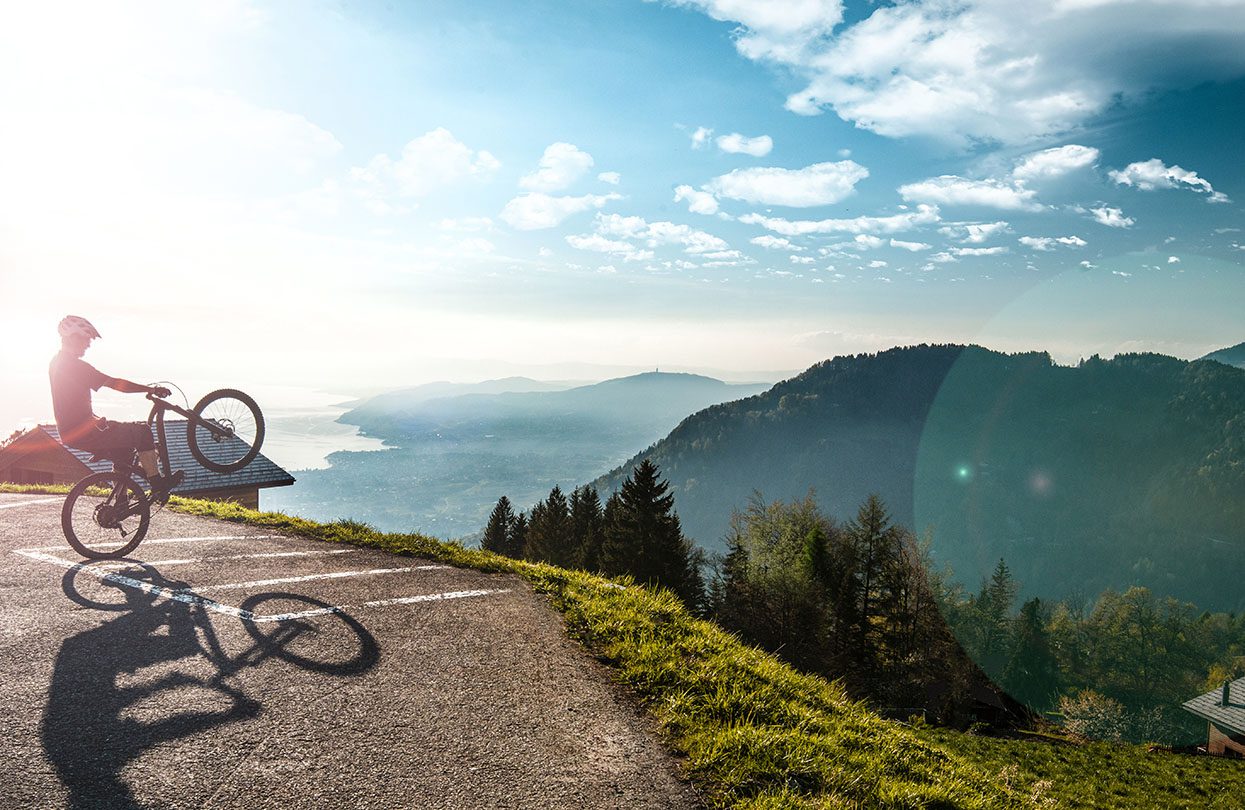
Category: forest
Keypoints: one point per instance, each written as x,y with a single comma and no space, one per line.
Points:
860,600
1129,471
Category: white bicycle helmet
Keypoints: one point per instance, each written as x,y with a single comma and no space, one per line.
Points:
76,325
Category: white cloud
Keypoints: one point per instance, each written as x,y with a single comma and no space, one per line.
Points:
896,223
534,211
432,161
1048,243
1148,175
735,143
1112,217
950,189
912,246
1054,162
613,178
773,30
866,242
619,225
600,244
974,233
877,263
818,184
698,202
560,166
723,254
659,233
692,240
990,251
544,253
967,70
701,137
774,242
802,260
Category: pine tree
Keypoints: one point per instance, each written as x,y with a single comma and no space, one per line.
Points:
875,551
993,618
1032,672
549,536
643,537
586,526
497,531
516,537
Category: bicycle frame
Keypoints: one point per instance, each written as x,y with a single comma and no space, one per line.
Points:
132,470
156,417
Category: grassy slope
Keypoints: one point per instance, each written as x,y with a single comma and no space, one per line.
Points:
758,734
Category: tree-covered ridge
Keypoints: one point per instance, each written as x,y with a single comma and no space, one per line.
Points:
1232,355
636,533
1126,471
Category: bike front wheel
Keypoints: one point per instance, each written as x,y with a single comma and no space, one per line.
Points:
105,515
227,431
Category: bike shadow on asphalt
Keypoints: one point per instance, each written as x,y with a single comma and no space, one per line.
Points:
158,672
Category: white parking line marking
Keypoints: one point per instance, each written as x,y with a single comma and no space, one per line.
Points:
145,587
430,597
170,540
192,598
30,503
264,556
263,583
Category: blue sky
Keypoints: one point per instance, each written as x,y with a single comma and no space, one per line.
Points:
379,194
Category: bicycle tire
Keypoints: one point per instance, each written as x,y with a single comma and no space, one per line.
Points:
238,412
81,514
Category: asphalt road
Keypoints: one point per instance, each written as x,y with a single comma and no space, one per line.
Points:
228,667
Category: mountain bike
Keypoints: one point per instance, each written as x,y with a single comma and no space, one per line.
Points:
106,514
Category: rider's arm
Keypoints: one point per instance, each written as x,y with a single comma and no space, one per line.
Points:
127,387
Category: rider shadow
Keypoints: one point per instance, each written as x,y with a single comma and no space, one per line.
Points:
100,716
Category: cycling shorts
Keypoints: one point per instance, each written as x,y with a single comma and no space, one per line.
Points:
117,437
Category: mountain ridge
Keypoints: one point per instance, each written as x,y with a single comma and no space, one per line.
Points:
1132,468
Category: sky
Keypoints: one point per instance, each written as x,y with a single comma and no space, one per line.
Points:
363,195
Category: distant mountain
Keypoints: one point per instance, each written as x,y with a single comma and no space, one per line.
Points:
403,399
642,402
1232,356
1110,473
452,457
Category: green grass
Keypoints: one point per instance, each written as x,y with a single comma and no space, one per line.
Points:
755,733
1102,774
758,734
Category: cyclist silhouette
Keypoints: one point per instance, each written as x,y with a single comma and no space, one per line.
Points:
73,379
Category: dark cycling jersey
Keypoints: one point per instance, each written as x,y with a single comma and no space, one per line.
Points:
72,380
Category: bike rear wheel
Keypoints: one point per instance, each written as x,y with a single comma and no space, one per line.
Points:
238,435
105,515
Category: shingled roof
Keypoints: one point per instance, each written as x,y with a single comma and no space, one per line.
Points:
261,473
1210,706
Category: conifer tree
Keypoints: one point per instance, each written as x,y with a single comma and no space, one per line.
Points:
497,531
549,536
876,549
586,526
1032,672
516,537
643,537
